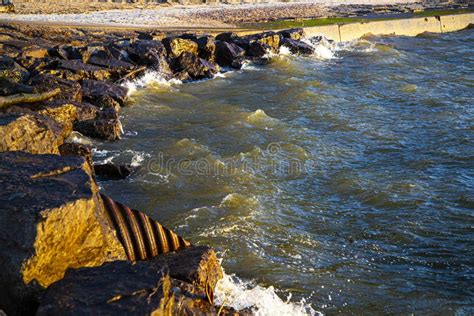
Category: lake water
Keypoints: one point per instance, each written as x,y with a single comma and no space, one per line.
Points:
337,183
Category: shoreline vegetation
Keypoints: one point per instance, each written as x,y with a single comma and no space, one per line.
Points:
295,23
68,248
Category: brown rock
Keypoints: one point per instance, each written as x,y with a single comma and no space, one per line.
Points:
52,220
65,114
31,133
9,87
94,90
226,53
175,46
76,150
149,53
85,71
258,49
117,67
9,69
108,129
196,67
207,47
70,90
294,34
169,284
35,52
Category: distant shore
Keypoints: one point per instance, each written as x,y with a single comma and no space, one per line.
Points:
216,16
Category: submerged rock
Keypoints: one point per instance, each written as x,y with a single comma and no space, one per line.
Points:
31,133
113,171
172,284
52,220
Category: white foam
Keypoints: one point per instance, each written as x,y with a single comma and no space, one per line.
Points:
239,294
150,77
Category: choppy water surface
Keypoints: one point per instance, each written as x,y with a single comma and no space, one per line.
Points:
345,179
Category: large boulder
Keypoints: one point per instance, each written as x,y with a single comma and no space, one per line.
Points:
63,113
227,37
196,67
297,47
227,52
104,128
148,53
93,90
258,49
32,133
176,45
52,219
179,283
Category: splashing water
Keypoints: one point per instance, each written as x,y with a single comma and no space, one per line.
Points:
381,221
263,301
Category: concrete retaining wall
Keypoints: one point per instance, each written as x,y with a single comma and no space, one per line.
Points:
451,23
407,27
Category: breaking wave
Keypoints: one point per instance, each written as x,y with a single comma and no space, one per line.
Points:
151,77
262,301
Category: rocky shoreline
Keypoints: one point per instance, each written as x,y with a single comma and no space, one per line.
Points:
67,248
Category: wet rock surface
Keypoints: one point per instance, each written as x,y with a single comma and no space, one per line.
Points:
52,220
169,284
113,171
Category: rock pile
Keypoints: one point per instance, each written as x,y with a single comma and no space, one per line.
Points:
56,83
